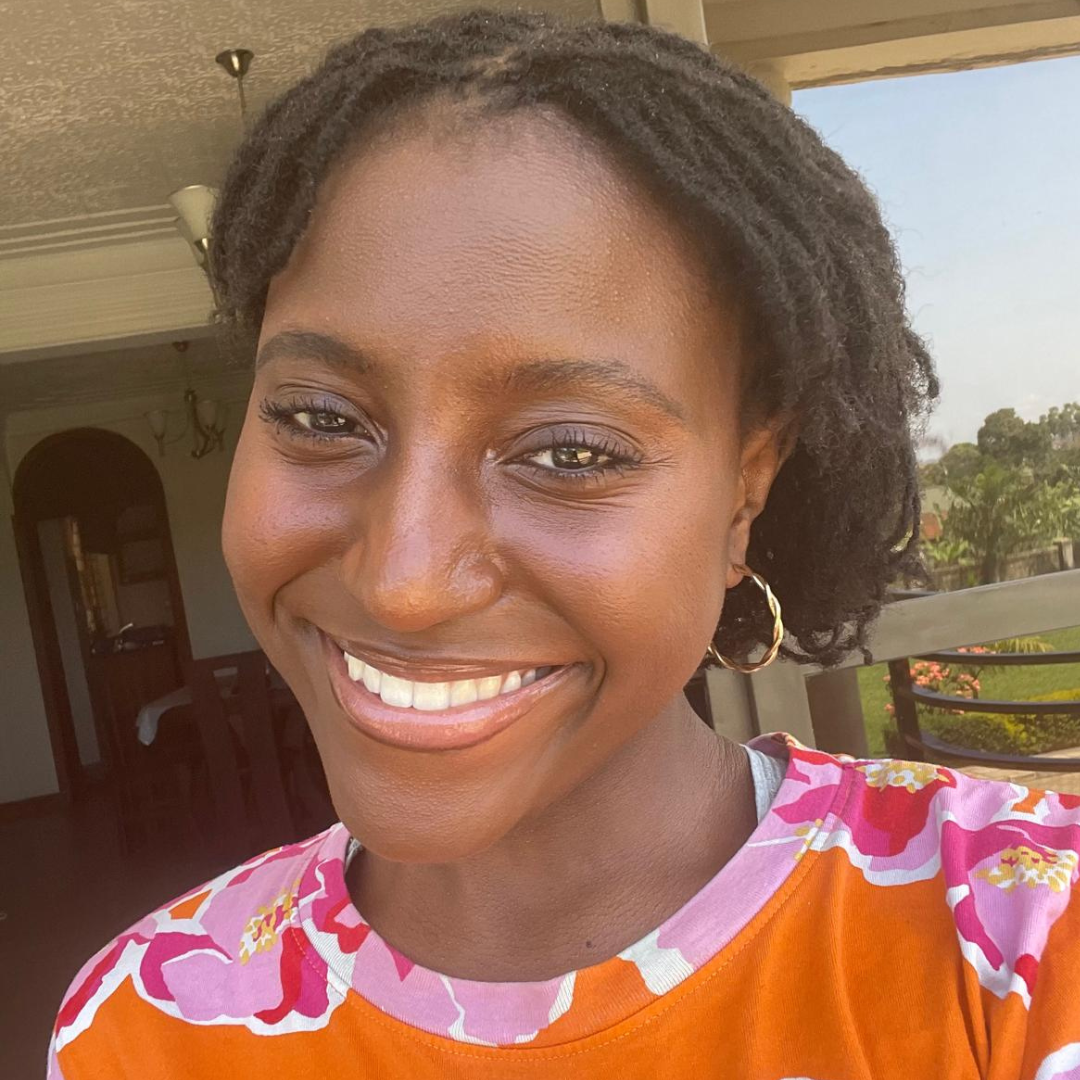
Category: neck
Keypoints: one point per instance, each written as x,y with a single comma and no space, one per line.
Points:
583,879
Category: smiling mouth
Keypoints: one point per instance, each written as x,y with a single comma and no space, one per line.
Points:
437,696
430,714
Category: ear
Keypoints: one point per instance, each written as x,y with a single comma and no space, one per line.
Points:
764,451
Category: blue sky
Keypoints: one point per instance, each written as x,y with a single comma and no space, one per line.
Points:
978,174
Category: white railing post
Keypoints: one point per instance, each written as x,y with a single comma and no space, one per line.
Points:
779,701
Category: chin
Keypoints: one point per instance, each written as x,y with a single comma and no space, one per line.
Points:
441,804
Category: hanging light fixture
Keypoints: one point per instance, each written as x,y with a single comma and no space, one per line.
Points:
236,63
194,204
203,417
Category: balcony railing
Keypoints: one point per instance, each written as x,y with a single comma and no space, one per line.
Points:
908,696
823,709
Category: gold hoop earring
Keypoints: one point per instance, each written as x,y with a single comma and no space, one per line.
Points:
749,667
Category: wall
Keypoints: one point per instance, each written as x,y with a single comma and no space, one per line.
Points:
26,762
54,555
195,498
1015,567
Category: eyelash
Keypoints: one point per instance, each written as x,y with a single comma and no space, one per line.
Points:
282,416
620,464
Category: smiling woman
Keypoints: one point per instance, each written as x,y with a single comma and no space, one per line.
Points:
570,338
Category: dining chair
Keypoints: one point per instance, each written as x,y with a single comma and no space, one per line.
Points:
236,725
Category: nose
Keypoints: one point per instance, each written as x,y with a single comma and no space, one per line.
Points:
422,555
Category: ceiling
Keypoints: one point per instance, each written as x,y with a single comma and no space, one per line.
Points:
109,105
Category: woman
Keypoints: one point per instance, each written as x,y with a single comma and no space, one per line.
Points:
571,342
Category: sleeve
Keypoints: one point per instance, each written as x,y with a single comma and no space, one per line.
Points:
1052,1038
1027,893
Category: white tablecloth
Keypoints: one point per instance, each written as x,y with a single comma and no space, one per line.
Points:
146,723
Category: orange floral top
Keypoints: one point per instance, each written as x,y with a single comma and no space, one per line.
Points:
886,920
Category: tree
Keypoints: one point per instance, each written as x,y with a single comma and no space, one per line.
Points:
1059,509
945,551
960,462
998,512
1007,439
1063,425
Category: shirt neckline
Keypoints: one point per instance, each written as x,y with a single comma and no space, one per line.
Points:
583,1002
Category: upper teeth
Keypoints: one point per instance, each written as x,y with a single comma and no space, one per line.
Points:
430,696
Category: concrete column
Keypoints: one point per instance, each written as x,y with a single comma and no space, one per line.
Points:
621,10
770,74
684,17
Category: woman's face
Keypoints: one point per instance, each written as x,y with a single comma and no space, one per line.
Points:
494,429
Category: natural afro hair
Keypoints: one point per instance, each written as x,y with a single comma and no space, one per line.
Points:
772,209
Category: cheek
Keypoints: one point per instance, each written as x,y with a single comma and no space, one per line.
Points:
641,580
275,527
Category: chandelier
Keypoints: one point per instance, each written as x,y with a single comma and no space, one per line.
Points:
204,418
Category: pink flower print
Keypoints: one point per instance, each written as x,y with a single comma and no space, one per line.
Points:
92,978
336,915
893,808
1009,881
242,960
303,982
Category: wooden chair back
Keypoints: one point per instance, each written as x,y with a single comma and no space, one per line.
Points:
237,731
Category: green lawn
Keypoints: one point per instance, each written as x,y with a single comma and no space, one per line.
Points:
1005,684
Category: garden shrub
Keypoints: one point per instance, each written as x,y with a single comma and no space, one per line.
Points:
999,733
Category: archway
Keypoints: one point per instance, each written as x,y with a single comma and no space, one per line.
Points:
103,595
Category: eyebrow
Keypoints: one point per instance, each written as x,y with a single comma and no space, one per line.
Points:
313,346
537,376
546,376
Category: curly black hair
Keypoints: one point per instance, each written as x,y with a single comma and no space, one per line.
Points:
771,207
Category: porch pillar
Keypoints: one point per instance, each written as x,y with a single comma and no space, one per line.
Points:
771,75
684,17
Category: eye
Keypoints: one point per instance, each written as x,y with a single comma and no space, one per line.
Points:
571,454
324,422
571,458
316,420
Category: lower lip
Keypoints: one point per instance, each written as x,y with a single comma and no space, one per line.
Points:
450,729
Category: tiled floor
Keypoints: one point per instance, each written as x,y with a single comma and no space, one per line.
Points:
65,890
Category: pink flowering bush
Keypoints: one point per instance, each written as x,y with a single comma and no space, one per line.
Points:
994,732
942,679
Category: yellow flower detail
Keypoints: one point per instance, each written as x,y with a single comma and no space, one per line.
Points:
807,832
1025,866
264,927
913,775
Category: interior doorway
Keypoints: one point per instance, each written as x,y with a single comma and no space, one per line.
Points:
103,594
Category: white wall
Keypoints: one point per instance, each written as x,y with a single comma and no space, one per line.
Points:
54,555
26,761
195,499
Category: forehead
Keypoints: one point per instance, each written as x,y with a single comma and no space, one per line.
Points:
515,230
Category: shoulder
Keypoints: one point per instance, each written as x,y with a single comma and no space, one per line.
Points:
1006,857
220,953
